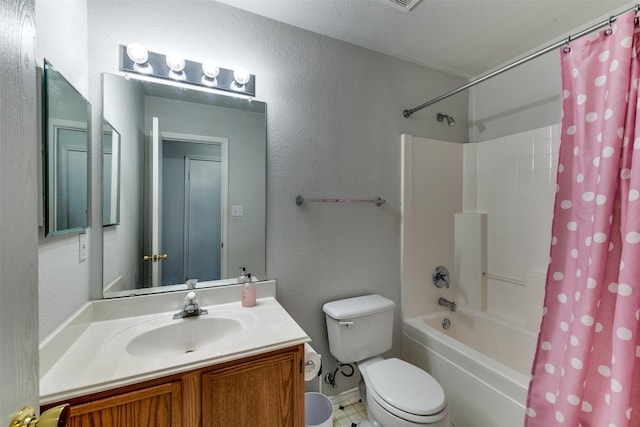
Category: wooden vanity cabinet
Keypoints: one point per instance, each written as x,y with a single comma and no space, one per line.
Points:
263,392
156,406
266,390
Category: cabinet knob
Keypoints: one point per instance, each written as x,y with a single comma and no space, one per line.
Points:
54,417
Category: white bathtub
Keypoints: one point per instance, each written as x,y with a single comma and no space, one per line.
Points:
483,365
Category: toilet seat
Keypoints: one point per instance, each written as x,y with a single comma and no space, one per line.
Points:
405,390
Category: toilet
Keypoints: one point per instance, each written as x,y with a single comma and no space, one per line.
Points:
397,394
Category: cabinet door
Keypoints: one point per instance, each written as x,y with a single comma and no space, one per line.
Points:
157,406
268,391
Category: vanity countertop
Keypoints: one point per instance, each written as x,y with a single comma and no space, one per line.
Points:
89,352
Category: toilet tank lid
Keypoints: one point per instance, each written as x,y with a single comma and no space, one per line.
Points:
350,308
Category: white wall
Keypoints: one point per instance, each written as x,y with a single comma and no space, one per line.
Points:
431,196
334,122
61,28
524,98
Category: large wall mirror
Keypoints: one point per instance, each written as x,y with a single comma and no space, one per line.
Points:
192,168
66,142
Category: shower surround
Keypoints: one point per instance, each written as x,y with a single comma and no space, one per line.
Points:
477,208
512,179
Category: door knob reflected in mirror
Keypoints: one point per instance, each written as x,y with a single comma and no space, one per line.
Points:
155,257
54,417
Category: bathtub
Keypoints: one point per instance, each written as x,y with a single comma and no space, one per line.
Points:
483,364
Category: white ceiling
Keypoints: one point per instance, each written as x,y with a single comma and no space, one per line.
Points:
464,37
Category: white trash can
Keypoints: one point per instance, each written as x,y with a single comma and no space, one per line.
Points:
318,410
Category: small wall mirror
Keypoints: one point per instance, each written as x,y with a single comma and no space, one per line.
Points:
111,175
66,143
193,194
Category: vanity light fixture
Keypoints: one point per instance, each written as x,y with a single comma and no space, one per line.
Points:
210,70
183,85
139,55
176,65
240,78
135,59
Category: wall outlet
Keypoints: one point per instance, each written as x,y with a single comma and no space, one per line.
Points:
236,210
83,246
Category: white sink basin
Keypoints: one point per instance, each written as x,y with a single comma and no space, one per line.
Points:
163,336
184,336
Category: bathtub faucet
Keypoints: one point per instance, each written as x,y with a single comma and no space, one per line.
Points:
446,303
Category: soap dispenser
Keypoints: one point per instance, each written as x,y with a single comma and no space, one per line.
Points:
248,292
243,276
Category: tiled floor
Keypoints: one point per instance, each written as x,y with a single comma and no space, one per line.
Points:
349,413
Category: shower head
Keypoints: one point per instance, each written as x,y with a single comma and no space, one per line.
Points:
450,120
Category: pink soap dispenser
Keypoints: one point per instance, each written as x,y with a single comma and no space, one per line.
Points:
248,290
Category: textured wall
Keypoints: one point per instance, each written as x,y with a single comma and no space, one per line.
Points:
63,279
334,121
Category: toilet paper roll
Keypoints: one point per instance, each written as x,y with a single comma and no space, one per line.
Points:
311,363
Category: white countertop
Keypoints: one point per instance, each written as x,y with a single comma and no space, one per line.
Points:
89,353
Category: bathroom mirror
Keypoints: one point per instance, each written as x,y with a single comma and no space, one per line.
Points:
193,195
67,117
111,175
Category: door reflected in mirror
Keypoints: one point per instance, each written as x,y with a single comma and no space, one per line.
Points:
111,175
66,141
192,199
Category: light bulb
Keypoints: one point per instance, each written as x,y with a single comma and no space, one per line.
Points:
137,53
241,76
210,69
175,62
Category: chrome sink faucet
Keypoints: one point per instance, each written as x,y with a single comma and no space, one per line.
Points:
191,307
446,303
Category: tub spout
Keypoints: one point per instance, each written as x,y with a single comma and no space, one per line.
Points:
446,303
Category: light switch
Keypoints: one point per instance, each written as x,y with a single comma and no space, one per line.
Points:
236,210
83,246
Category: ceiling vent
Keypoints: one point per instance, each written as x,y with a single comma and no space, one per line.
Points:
405,5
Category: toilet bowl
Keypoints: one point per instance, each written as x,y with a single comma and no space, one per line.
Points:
397,394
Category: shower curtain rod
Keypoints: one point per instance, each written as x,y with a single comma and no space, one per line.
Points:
565,41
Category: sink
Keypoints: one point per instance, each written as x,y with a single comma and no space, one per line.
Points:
162,336
184,336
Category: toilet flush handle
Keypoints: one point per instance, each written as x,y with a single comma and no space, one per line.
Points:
347,323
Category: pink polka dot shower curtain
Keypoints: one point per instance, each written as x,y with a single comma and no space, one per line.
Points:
586,372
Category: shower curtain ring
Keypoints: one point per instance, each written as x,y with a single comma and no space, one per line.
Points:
609,30
567,47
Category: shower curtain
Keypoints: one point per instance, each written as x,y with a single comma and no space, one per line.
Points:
587,366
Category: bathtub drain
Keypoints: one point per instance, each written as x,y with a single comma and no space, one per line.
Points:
446,323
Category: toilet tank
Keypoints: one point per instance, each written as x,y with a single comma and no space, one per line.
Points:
359,327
